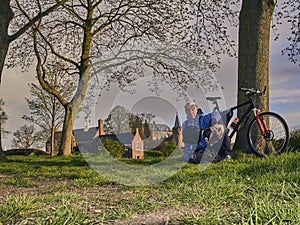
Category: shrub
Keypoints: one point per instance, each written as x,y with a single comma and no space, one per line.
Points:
295,140
152,154
114,147
168,147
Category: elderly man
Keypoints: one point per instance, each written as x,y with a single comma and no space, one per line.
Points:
201,130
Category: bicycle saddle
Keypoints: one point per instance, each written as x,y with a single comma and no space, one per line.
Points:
212,98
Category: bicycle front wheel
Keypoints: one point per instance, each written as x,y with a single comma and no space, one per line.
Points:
276,139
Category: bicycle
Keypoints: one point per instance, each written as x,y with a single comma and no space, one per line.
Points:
268,132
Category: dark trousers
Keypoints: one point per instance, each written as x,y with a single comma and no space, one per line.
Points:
226,145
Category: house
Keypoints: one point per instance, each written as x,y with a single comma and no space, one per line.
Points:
159,131
137,146
89,140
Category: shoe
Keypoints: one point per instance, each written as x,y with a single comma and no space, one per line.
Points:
227,157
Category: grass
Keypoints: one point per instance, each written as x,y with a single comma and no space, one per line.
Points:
58,190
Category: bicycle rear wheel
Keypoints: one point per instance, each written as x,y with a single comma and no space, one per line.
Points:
276,139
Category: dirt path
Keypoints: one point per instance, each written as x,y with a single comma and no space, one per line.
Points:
89,194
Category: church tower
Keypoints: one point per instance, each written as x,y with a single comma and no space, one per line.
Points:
177,132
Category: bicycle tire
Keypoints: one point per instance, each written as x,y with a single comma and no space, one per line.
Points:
277,140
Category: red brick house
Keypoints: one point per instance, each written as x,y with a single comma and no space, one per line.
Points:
137,146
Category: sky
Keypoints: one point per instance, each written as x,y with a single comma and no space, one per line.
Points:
284,94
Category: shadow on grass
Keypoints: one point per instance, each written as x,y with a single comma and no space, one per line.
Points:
74,161
46,167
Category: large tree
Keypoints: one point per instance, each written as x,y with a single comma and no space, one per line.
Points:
7,35
253,60
111,36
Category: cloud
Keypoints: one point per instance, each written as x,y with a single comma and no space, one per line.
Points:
292,119
281,96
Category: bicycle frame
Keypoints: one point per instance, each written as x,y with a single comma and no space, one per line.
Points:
261,124
257,114
243,117
260,120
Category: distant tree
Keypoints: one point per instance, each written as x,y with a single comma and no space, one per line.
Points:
121,120
146,130
26,137
45,110
118,121
138,121
146,119
3,118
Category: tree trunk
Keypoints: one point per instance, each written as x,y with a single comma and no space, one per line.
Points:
53,129
71,110
67,132
253,61
52,140
2,154
5,17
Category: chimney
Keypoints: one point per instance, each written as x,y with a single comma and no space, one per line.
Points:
101,127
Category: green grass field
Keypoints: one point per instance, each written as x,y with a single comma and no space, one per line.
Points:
57,190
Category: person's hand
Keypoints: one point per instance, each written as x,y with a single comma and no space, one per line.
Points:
216,133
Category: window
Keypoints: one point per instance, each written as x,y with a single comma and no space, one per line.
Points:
137,145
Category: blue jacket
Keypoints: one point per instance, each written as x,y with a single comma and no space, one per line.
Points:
201,121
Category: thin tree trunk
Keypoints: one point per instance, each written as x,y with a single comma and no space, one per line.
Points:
53,129
253,61
2,154
52,140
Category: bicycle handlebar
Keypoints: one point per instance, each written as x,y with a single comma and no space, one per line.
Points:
251,91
